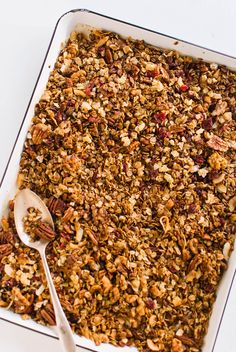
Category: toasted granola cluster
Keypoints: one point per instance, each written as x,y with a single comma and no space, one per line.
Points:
133,150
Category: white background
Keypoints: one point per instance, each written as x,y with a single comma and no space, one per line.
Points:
25,30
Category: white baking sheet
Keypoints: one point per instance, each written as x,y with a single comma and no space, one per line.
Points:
81,19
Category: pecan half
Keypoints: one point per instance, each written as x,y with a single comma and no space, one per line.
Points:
6,237
5,249
194,263
44,230
108,56
56,206
48,315
39,133
67,305
217,143
68,214
220,108
186,340
92,237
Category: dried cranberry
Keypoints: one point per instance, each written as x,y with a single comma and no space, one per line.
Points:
162,133
153,73
188,137
222,221
214,174
102,263
142,186
209,288
212,107
150,303
135,70
63,106
66,236
153,173
207,124
191,94
49,140
60,117
73,318
192,208
172,269
95,175
198,191
88,89
10,283
200,141
69,82
179,73
70,103
199,159
94,119
184,88
125,167
62,245
101,50
113,69
171,62
159,117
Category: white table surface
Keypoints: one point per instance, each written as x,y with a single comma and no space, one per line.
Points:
25,30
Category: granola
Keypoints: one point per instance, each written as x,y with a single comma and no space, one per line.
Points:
133,150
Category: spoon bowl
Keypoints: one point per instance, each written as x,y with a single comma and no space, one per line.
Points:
24,200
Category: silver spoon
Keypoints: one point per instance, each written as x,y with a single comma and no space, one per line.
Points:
24,200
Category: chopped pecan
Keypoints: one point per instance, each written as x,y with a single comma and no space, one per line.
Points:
220,108
193,245
56,206
67,305
6,237
188,341
40,132
44,231
108,56
217,143
48,315
68,214
92,236
5,249
194,263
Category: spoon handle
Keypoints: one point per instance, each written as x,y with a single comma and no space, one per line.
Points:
63,327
